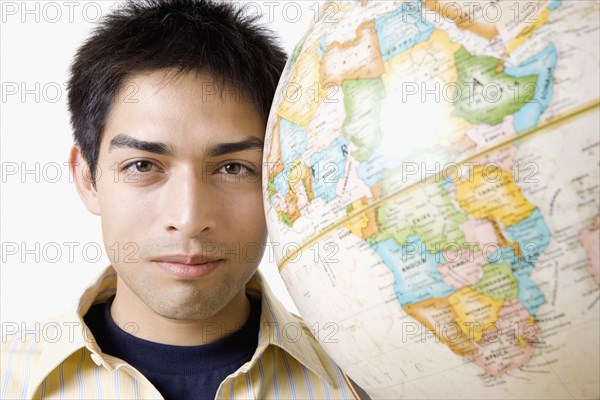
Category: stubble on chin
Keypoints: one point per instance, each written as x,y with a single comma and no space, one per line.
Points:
183,300
192,304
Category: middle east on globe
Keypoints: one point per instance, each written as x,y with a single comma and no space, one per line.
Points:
431,187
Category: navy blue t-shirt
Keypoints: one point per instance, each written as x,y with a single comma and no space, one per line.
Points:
178,372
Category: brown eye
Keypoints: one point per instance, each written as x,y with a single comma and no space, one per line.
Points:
143,166
233,168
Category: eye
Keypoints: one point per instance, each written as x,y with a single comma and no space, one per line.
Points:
234,168
142,166
140,169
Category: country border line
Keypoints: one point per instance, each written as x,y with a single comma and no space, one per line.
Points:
527,135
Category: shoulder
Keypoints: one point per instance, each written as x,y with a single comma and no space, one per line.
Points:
292,356
21,349
23,342
31,351
297,363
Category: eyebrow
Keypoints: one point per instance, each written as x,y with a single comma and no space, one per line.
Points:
125,141
216,150
219,149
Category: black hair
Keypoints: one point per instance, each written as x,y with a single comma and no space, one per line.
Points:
204,36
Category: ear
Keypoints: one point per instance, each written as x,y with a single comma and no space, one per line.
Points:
82,176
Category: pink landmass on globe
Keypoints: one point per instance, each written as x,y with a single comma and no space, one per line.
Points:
464,266
507,344
479,231
486,136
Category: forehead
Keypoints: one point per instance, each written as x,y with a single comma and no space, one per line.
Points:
163,82
186,110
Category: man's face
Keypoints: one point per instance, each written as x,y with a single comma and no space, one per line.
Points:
180,194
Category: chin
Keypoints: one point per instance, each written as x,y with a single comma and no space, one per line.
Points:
190,303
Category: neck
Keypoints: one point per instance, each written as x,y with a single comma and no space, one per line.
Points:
135,317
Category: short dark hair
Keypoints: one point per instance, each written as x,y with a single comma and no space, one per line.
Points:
203,36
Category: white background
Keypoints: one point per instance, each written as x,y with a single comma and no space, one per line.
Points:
50,242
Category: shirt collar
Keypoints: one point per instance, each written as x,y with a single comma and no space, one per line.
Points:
73,334
281,328
278,327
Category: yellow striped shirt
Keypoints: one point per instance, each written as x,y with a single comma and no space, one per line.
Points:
60,359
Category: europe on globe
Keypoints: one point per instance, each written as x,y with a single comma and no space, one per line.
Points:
433,169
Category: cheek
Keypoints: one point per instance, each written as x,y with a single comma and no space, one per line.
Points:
245,215
252,231
123,214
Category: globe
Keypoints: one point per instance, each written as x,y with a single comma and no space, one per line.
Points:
431,187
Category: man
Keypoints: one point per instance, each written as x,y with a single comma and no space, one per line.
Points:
169,101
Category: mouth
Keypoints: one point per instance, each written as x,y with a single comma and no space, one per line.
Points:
188,267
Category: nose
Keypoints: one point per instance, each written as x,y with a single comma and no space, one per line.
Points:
190,205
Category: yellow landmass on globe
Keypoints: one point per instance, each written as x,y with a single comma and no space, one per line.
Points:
359,222
438,315
491,193
422,80
475,312
298,173
291,203
356,59
526,33
440,67
453,10
363,225
305,92
301,173
275,163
